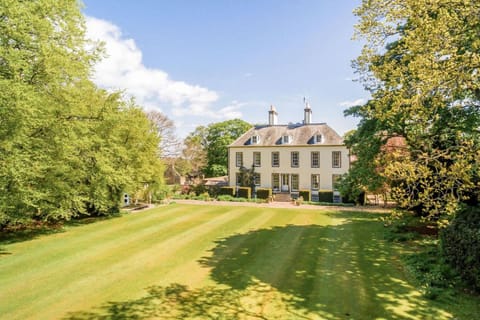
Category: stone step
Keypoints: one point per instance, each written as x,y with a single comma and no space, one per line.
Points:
282,197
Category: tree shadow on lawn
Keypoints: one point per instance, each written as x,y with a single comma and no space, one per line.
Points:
38,229
344,271
177,301
29,233
340,271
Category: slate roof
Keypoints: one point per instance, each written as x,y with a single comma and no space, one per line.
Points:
301,134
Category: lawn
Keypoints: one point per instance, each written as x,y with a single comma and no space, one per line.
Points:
213,262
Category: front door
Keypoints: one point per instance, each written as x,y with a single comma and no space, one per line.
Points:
285,182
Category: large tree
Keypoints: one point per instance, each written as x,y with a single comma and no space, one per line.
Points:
66,147
421,64
215,139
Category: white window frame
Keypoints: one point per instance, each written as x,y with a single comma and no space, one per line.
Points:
295,159
336,159
295,182
317,160
257,159
277,154
276,181
315,180
239,159
255,139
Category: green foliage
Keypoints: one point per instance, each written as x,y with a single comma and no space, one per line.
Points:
226,197
247,176
67,148
264,193
325,196
420,65
306,195
460,243
215,140
228,191
244,192
351,188
434,275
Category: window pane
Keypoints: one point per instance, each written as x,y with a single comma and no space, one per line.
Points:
336,159
239,159
257,159
275,181
257,179
275,159
315,159
238,179
295,159
315,181
295,182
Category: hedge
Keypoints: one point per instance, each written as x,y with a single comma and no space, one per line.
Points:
244,192
227,191
460,242
305,194
264,193
325,196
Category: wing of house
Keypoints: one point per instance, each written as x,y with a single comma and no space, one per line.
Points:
289,158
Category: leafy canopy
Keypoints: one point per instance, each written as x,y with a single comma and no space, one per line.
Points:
66,147
421,65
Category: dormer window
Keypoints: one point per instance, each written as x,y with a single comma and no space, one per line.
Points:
255,139
318,138
286,139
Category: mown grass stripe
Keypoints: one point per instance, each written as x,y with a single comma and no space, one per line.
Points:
281,264
73,237
87,247
152,253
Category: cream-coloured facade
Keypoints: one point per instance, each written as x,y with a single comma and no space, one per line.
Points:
289,158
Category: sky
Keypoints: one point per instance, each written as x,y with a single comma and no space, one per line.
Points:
206,61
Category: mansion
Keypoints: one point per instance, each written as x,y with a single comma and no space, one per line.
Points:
290,158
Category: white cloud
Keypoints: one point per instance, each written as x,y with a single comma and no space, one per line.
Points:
123,68
348,104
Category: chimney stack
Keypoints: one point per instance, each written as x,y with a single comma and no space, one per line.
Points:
272,116
307,118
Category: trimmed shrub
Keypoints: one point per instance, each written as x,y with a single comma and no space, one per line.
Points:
305,194
227,191
325,196
460,243
226,197
244,192
264,193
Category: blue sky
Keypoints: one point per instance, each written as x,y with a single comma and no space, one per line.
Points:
204,61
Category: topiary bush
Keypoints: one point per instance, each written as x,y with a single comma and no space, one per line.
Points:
245,192
305,194
460,243
264,193
325,196
227,191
